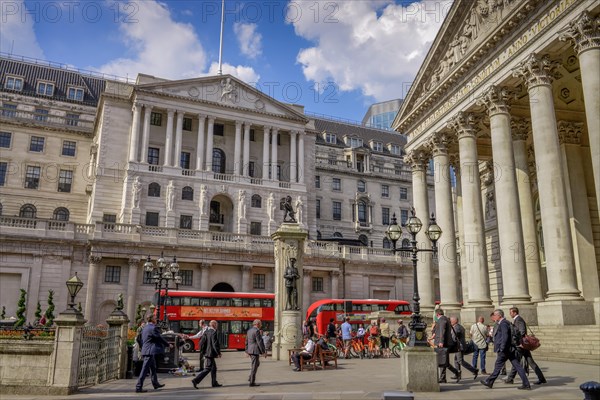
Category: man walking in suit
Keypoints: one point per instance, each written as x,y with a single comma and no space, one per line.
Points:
255,346
520,331
442,342
209,346
152,344
202,327
503,347
459,335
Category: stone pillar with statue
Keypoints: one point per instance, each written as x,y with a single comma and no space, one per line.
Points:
289,264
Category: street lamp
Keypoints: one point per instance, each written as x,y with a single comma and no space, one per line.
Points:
74,285
162,275
393,233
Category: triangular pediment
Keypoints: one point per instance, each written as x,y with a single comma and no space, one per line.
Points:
225,90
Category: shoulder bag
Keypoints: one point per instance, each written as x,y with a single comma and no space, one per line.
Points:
530,342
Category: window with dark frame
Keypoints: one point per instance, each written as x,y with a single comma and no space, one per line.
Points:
403,217
403,193
385,191
151,218
187,124
41,115
75,94
69,148
317,284
45,88
65,180
109,218
318,208
187,193
187,277
28,211
258,281
251,166
13,83
256,228
3,169
185,222
318,181
72,119
153,155
386,243
154,190
256,201
337,210
37,144
252,135
61,214
148,278
336,184
32,177
156,118
112,274
9,110
385,215
5,139
184,160
218,130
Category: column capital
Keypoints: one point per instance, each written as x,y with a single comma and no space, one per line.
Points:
495,100
205,266
463,124
180,114
520,128
535,70
94,258
246,268
201,117
136,106
148,107
583,33
335,274
134,261
438,144
238,124
211,119
275,130
294,133
266,128
569,132
171,111
307,272
417,159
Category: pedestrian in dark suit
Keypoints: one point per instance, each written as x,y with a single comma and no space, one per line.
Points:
505,351
209,346
442,342
255,346
152,344
520,329
459,336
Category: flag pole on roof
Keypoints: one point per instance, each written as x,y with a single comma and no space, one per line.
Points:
221,41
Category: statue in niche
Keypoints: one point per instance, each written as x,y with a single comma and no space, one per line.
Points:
490,206
203,199
170,196
136,189
291,277
271,206
242,203
286,205
119,302
299,206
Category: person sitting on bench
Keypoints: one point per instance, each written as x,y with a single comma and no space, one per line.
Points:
307,354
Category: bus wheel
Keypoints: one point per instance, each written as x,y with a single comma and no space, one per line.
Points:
188,346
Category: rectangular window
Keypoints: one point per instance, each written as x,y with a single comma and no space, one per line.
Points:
279,172
251,169
187,124
318,208
37,144
317,284
45,88
258,281
255,228
151,218
395,149
9,110
336,184
184,161
112,274
356,142
403,193
377,146
187,277
32,177
3,169
337,210
185,222
153,155
385,191
148,279
252,135
72,119
403,216
65,179
385,215
330,138
318,181
156,119
68,148
75,94
218,130
5,139
40,115
109,218
13,83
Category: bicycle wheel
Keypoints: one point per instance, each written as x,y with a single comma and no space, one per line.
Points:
396,350
352,352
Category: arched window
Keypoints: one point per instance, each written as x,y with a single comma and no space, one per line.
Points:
256,201
187,193
364,240
218,161
28,211
337,235
61,214
361,186
386,243
154,190
362,211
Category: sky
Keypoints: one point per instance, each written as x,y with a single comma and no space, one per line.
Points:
333,57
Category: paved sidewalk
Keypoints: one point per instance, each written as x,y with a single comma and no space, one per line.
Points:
354,379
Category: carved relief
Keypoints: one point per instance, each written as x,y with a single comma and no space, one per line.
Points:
417,159
495,99
536,70
229,91
570,132
520,128
583,33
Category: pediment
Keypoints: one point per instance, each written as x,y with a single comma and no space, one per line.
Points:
225,90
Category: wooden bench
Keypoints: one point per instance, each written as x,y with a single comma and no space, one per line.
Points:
305,361
328,356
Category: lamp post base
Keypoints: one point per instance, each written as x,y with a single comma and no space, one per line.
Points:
418,370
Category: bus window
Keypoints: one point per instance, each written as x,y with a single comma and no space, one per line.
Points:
382,307
195,301
267,303
186,327
246,325
235,327
185,301
204,302
223,302
236,302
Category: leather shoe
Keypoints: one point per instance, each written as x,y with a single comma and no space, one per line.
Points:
475,374
296,369
524,387
486,384
141,391
458,377
540,382
159,386
195,384
509,381
254,384
484,372
217,385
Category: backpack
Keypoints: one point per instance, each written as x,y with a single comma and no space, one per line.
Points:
373,330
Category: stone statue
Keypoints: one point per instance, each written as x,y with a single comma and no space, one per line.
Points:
490,205
242,203
299,209
271,206
288,210
227,90
119,302
291,277
203,199
137,189
170,196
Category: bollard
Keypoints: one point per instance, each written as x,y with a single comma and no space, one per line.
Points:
591,390
129,372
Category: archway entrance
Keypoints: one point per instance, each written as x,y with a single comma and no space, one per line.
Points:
222,287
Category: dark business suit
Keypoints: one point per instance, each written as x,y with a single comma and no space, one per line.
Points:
521,330
152,344
459,360
254,347
504,349
443,336
212,351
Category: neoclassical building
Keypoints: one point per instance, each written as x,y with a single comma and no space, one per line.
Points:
509,97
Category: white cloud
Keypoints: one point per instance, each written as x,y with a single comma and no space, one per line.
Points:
17,35
374,46
160,46
246,74
249,39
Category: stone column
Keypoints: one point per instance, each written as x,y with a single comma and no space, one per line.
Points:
246,278
200,143
237,148
293,162
306,288
301,157
132,284
178,139
447,263
335,284
64,364
204,276
274,155
209,143
418,161
510,231
459,224
146,134
246,152
265,171
475,255
92,287
584,33
169,138
520,131
135,132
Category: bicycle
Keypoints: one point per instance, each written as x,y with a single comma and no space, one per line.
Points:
373,350
398,345
357,347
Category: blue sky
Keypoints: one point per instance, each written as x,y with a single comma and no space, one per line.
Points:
334,57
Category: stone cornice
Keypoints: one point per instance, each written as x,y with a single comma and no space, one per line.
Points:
570,132
583,33
536,71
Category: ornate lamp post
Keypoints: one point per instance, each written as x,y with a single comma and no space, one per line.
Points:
393,233
162,275
74,285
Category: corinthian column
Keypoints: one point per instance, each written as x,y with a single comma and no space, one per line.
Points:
274,176
584,33
293,155
510,232
132,284
448,269
178,139
560,266
200,143
237,148
146,134
135,132
246,151
475,254
169,138
209,143
265,168
418,161
92,287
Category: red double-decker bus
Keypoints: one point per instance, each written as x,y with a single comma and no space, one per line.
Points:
357,309
234,311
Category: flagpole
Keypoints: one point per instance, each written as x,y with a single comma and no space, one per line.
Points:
221,41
